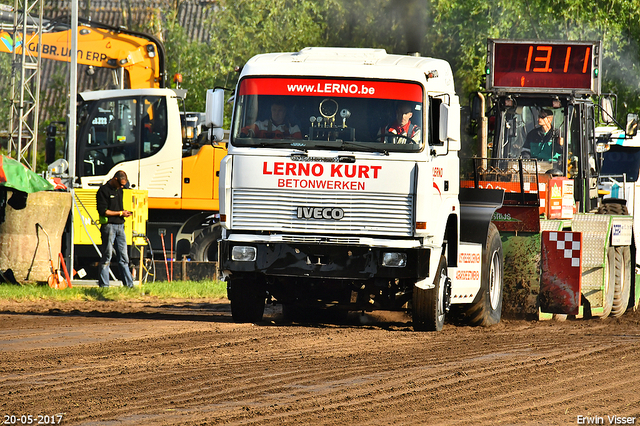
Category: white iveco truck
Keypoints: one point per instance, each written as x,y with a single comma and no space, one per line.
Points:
335,207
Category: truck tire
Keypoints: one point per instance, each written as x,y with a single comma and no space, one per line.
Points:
429,306
622,278
205,245
487,310
247,296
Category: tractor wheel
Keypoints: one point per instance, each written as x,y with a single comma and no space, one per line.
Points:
487,309
205,245
247,296
621,268
613,208
609,282
622,280
429,305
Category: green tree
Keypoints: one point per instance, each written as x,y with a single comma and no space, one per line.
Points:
460,29
239,30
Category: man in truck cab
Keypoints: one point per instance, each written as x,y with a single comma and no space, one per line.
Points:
402,126
277,126
543,142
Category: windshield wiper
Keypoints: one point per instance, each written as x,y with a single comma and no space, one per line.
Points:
395,136
342,145
269,143
364,146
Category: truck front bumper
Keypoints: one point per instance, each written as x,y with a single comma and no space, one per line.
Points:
330,261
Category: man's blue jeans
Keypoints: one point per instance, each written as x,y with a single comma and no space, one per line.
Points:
113,236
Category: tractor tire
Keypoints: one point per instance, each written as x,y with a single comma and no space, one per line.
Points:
609,282
429,305
487,309
613,208
622,271
622,281
614,280
205,245
247,297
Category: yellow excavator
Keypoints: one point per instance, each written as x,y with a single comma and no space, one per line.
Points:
137,59
141,128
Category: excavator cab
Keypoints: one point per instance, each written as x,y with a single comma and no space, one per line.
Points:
120,129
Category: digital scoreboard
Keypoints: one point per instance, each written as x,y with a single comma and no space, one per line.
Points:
544,66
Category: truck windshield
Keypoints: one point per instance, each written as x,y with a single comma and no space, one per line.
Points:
313,113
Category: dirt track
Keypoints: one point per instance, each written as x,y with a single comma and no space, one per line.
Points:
177,362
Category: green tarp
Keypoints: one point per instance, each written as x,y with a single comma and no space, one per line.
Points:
15,175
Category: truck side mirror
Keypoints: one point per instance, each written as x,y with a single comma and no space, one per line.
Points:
450,124
214,109
631,129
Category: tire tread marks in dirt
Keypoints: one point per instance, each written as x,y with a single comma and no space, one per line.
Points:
206,372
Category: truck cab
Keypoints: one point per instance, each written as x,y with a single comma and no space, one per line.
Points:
341,187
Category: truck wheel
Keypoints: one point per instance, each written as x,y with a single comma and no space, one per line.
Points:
622,277
609,282
247,298
430,305
487,310
205,246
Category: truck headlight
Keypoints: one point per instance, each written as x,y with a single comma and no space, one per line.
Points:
243,254
394,260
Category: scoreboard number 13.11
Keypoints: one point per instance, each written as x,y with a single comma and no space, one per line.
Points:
548,66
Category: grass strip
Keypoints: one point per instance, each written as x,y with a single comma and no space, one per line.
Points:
159,290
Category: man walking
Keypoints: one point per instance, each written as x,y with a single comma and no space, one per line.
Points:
112,213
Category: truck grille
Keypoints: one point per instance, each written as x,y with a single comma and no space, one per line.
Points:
364,214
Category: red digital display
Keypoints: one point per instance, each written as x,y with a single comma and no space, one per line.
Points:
544,65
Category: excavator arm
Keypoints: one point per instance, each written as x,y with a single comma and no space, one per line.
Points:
139,57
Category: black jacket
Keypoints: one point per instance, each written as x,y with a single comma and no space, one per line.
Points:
109,198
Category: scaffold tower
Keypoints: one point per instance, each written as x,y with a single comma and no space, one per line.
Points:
25,81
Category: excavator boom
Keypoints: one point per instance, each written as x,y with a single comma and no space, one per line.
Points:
140,56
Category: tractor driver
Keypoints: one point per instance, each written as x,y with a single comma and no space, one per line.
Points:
543,142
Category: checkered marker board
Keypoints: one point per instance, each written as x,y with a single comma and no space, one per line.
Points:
568,246
561,277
